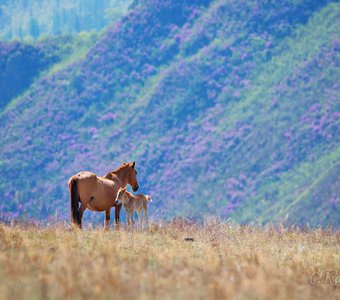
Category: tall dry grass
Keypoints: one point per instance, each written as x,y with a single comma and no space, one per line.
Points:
177,260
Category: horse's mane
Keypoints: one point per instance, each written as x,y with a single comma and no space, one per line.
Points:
120,168
108,175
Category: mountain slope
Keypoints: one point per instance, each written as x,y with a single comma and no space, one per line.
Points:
230,109
23,63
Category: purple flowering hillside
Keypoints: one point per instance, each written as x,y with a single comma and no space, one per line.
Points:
19,64
229,108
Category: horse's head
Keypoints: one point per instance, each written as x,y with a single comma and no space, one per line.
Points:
132,179
120,196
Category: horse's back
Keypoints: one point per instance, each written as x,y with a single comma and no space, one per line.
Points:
86,181
83,175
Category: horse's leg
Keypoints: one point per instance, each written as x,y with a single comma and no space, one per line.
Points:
140,218
107,219
117,213
81,212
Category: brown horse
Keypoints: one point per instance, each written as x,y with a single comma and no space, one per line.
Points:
99,193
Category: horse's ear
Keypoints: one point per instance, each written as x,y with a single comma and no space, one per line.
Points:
133,164
124,163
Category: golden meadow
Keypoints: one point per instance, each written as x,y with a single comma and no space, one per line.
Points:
175,260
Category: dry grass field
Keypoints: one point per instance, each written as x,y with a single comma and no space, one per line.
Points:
175,260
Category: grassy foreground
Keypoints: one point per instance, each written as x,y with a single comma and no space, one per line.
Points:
169,261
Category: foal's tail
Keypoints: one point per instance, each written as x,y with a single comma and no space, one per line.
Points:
148,198
74,201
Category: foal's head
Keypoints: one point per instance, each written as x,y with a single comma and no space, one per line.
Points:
121,196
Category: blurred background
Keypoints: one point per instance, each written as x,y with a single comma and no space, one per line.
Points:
229,108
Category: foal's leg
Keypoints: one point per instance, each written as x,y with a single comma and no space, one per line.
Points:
132,217
140,218
107,219
146,216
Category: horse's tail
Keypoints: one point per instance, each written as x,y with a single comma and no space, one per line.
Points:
148,198
74,201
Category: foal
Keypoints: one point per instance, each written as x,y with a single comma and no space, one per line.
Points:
133,203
